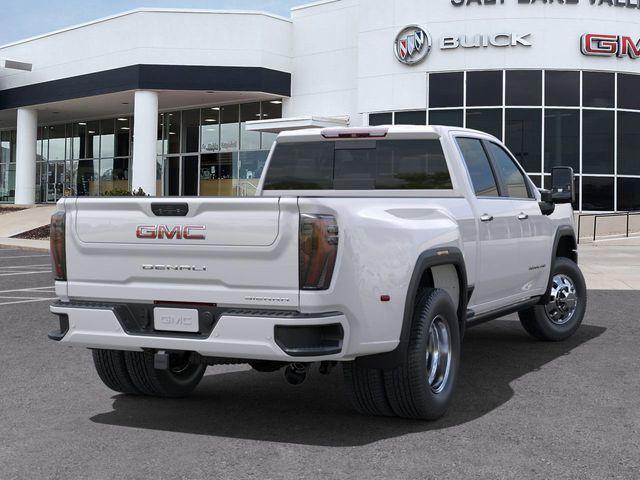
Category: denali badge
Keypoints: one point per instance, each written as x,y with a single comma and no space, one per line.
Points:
177,232
175,268
267,299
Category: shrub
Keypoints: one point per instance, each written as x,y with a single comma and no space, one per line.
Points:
118,192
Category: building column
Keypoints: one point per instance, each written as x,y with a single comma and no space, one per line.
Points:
26,138
145,132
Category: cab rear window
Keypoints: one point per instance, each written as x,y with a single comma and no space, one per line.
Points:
359,165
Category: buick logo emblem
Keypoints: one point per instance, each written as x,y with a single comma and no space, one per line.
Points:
412,45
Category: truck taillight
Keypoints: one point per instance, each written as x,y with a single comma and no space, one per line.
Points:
318,251
58,251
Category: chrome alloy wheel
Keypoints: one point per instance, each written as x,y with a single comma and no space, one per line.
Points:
438,354
563,300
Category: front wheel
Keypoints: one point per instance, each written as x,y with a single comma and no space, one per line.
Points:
562,315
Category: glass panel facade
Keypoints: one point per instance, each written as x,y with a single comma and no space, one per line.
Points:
93,157
415,117
446,89
270,109
524,88
484,89
229,128
598,89
450,118
562,89
586,120
523,136
598,193
249,140
598,141
561,139
376,119
628,87
629,194
217,155
107,138
628,143
488,120
190,131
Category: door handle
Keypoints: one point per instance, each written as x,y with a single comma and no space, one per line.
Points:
486,218
523,216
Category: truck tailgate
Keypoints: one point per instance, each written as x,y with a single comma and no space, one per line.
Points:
230,252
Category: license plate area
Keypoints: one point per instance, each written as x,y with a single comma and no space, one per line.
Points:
176,320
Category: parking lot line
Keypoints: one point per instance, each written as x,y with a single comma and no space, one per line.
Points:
23,273
32,289
25,266
31,300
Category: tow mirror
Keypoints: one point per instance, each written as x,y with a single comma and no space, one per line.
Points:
562,190
547,207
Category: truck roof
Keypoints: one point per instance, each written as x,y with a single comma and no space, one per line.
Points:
393,131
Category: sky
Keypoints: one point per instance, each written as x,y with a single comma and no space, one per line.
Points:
27,18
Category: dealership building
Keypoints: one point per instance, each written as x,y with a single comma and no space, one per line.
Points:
188,102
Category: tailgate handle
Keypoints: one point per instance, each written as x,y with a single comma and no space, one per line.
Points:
170,209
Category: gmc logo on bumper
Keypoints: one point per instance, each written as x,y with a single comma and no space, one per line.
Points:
177,232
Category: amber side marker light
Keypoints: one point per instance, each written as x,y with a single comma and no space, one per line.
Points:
58,250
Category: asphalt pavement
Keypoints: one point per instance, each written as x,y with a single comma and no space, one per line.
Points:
523,409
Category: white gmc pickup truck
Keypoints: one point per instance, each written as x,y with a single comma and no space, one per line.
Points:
373,248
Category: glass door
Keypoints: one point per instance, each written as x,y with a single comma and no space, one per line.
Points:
189,182
216,175
172,176
55,181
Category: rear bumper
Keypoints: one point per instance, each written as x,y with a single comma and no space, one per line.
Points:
241,334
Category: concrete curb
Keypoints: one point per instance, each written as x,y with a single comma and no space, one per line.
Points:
34,245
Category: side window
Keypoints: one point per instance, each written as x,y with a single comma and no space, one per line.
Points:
512,176
484,182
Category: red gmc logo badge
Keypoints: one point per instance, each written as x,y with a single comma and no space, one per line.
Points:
177,232
601,45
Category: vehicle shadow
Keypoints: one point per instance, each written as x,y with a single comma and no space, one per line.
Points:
256,406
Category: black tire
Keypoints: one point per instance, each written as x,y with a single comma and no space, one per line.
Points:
405,391
408,389
538,323
179,381
112,370
365,387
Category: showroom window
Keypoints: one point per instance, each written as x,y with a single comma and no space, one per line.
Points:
562,89
586,120
93,157
523,136
524,88
598,141
484,89
488,120
446,89
210,152
561,139
598,89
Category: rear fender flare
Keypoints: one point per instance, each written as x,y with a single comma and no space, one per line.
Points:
431,258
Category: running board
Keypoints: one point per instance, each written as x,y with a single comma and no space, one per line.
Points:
476,319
